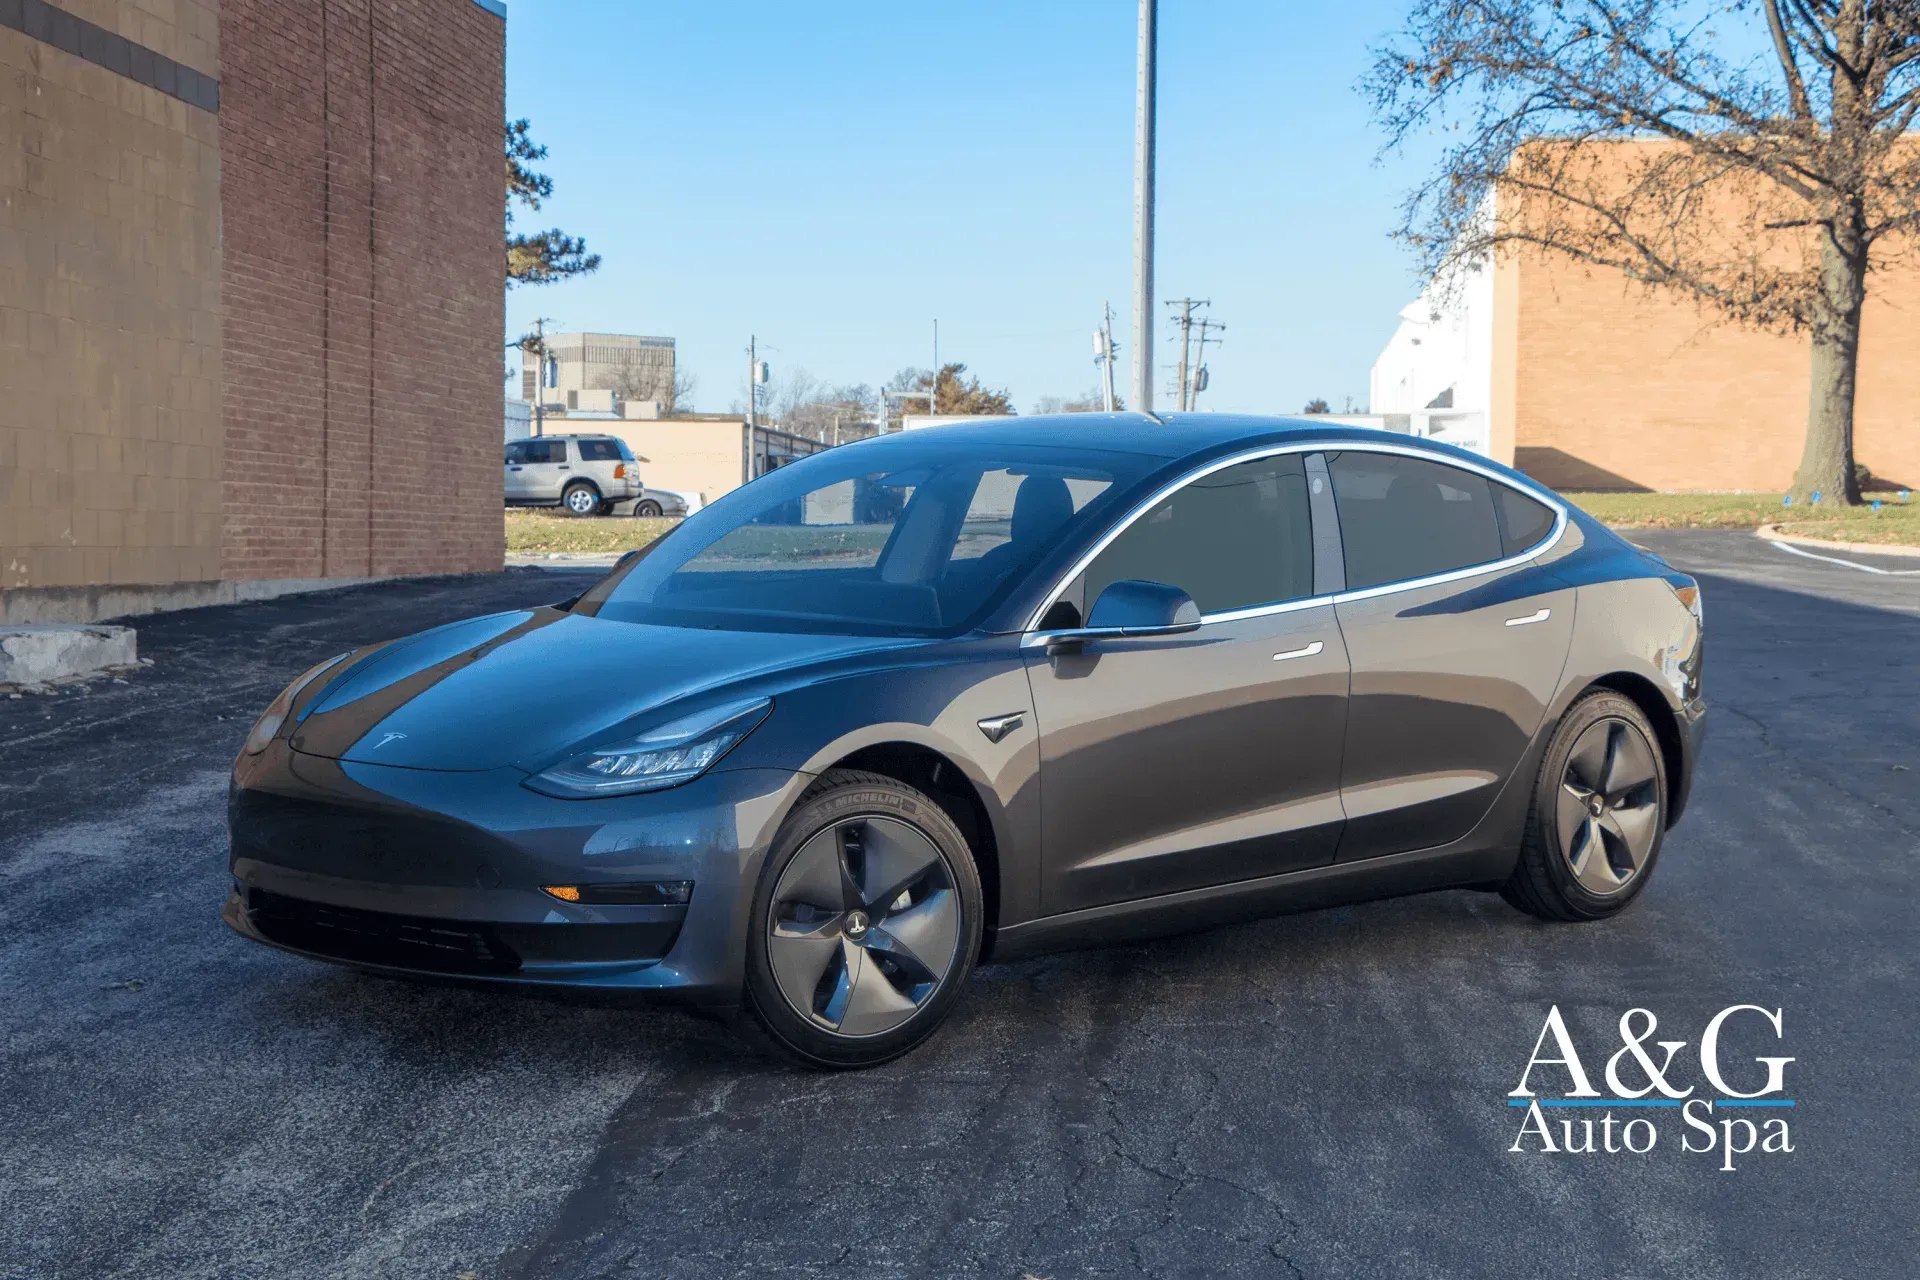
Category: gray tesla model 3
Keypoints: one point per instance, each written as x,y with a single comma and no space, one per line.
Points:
978,692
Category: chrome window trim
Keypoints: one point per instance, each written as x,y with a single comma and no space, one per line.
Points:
1546,544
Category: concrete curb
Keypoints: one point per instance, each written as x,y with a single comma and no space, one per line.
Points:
1773,533
42,655
562,560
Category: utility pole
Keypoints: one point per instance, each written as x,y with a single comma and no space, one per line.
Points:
753,382
540,376
1198,382
933,394
1103,349
1186,306
1143,121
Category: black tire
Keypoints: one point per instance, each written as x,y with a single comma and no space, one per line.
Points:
1557,877
647,509
580,499
841,801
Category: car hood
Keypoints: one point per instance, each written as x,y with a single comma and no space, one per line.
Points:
520,689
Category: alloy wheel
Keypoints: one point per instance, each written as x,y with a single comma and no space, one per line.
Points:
582,501
1608,808
864,926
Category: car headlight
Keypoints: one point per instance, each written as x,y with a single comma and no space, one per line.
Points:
676,752
276,713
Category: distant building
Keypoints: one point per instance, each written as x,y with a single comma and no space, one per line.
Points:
593,371
703,454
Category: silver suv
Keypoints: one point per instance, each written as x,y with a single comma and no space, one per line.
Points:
582,475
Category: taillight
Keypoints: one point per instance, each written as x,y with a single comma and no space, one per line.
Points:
620,471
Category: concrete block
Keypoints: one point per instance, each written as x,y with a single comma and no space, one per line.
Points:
44,654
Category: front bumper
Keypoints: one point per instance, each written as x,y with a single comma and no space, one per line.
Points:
1692,724
432,874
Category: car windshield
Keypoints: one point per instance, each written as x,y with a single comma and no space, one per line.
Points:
898,536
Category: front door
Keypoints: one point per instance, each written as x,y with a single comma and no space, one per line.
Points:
516,472
546,470
1176,762
1451,679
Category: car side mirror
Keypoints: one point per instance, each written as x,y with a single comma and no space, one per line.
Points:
1131,607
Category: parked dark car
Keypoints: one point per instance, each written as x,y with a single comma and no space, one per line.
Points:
978,692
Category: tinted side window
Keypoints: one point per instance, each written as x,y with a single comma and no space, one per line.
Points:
598,451
1238,538
517,452
546,451
1523,520
1403,518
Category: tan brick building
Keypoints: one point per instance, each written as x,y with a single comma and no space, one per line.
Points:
250,260
1587,380
1598,384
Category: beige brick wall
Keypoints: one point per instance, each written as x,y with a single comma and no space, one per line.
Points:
188,31
110,423
1616,387
685,456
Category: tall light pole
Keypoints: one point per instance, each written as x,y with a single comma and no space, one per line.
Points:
1143,211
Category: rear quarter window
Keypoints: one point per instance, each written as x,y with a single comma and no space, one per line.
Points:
602,451
1524,521
1403,518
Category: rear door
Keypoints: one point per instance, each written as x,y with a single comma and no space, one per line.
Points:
1457,642
1182,761
601,461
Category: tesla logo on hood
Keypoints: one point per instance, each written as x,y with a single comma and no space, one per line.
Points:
391,737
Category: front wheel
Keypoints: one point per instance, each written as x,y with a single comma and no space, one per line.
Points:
1599,814
865,925
647,509
580,499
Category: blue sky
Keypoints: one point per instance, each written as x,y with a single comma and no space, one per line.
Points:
834,176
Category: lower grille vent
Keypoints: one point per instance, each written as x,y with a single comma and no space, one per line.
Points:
375,937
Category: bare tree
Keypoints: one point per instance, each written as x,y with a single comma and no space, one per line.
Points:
1635,135
806,406
1087,402
638,382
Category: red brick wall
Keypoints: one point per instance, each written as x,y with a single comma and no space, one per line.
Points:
361,200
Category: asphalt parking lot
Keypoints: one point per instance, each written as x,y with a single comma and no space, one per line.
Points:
1318,1095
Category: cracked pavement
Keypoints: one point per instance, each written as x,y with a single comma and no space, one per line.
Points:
1316,1095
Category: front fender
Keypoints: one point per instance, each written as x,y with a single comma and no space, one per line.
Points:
934,705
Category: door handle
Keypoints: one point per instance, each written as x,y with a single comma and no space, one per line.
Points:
1540,615
563,467
1307,652
513,468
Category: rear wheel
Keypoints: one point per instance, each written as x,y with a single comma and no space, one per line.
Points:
865,924
580,499
1599,814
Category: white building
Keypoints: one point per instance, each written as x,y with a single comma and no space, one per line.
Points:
1435,375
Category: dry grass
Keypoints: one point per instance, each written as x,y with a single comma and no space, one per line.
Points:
537,532
1897,523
